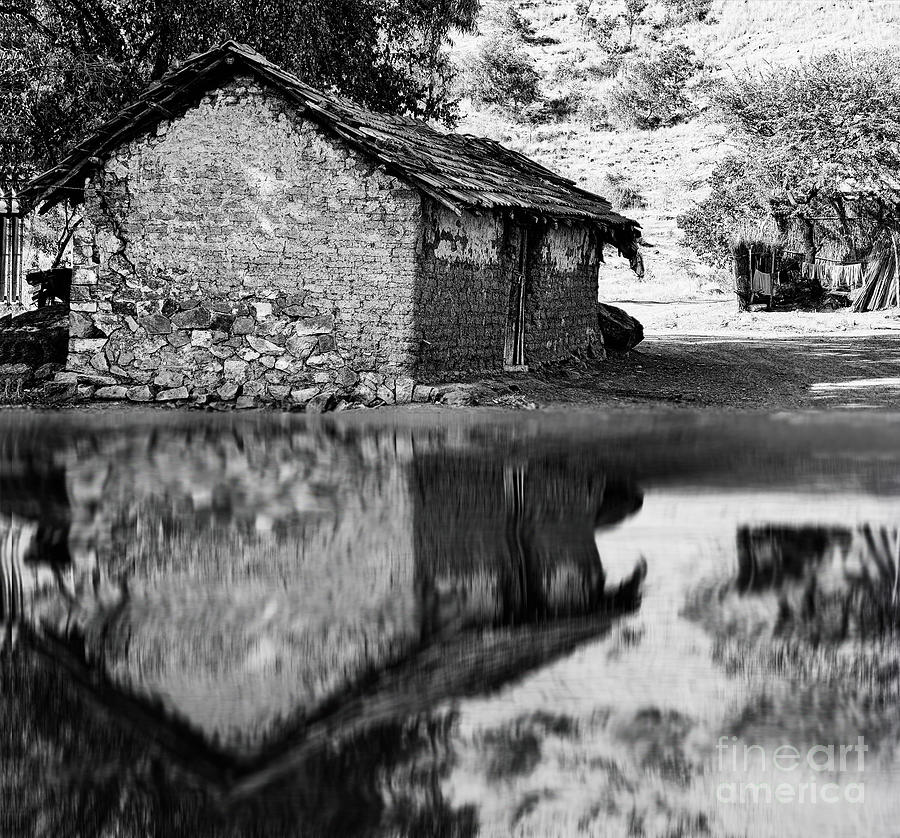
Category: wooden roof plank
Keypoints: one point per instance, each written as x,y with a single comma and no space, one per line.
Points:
457,171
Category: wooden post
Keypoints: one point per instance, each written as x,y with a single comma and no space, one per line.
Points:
896,271
741,277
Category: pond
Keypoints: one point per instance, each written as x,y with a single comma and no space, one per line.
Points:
444,623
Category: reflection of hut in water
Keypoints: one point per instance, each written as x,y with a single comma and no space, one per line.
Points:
270,575
118,780
513,540
34,526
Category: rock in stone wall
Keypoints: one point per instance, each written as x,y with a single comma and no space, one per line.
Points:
239,248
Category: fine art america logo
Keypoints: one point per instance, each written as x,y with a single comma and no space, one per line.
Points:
820,774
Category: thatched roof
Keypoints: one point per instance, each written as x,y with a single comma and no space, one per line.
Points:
458,171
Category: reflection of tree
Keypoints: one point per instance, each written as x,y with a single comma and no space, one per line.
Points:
874,575
807,599
831,583
770,556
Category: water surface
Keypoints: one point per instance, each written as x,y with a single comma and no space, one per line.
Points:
599,623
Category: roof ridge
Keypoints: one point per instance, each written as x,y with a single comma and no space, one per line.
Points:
459,171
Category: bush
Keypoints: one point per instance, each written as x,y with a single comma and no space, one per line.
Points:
554,108
622,192
513,23
592,112
504,74
679,12
603,29
570,69
737,200
605,67
651,91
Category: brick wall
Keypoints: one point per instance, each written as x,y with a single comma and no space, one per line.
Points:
239,249
239,246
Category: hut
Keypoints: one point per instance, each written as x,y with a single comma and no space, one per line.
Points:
244,230
772,265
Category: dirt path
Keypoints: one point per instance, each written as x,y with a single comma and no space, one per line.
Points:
802,372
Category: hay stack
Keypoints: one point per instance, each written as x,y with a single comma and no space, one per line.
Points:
880,288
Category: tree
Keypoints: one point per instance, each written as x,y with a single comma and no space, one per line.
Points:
582,12
634,15
651,90
65,65
820,141
504,74
679,12
737,201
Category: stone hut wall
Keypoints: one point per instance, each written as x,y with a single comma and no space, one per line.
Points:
240,246
239,249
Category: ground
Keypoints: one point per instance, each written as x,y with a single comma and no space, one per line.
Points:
701,352
735,372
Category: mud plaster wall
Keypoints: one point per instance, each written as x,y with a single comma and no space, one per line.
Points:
463,291
462,300
239,246
561,292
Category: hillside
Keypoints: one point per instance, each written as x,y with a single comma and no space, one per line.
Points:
670,165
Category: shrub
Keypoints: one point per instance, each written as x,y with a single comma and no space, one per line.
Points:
623,192
603,30
513,23
570,69
592,112
651,90
554,108
504,74
606,67
679,12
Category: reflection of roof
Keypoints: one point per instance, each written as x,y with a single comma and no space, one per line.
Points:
456,170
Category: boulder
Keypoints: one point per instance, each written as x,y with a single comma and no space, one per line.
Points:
35,337
620,330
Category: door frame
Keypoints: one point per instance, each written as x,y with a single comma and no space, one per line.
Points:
514,344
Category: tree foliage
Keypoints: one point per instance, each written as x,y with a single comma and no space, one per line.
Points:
65,65
737,201
651,89
504,74
818,148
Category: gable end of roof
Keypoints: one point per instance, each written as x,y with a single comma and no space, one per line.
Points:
458,171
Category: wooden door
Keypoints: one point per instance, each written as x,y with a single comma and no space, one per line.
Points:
514,354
